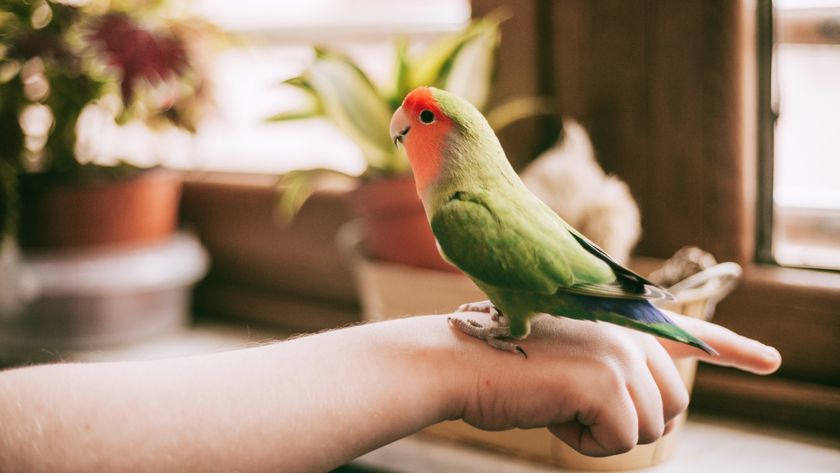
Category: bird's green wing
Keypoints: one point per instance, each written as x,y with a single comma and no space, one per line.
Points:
505,246
511,245
628,284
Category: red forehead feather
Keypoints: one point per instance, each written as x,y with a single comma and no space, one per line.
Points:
425,141
421,98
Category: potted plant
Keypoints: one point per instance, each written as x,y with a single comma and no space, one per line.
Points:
63,67
126,60
339,90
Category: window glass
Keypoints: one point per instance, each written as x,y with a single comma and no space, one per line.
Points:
806,195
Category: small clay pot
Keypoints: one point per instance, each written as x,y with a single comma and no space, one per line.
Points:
141,207
396,229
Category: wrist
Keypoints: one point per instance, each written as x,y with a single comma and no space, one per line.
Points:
443,364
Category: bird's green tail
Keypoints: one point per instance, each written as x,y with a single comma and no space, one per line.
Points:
666,329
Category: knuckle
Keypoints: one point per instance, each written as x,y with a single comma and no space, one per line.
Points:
624,445
613,380
623,351
622,441
651,433
677,402
616,370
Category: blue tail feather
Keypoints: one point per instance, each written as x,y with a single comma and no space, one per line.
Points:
640,310
637,314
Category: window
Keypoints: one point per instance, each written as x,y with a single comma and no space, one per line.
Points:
806,184
273,41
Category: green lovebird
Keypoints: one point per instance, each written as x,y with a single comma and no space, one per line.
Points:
514,247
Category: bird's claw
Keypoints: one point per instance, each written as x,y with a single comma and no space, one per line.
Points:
494,336
486,307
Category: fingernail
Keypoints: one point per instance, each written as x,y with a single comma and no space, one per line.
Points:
771,353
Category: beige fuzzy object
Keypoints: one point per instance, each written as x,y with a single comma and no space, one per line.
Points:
568,178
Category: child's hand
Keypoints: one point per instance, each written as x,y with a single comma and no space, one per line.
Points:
598,387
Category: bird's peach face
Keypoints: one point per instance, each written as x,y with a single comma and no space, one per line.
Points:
421,127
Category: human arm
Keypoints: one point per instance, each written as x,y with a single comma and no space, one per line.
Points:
313,403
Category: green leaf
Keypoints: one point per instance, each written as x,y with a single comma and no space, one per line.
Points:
296,188
400,87
351,102
518,109
470,74
329,54
431,67
298,82
292,115
312,109
434,65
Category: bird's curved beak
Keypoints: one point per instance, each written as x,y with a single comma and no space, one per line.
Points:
399,126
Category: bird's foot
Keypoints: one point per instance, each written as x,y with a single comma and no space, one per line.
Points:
485,307
495,336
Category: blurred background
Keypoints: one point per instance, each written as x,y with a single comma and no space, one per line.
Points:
188,176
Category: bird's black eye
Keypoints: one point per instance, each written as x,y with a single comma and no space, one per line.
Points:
426,116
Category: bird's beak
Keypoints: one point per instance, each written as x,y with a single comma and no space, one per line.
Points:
399,126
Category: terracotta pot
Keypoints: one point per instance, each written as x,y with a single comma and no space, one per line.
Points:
396,229
142,207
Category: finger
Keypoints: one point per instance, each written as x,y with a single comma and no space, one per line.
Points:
667,377
648,402
735,350
669,426
611,431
